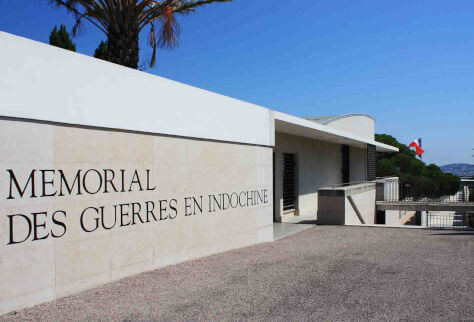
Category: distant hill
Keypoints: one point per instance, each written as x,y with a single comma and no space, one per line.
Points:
459,169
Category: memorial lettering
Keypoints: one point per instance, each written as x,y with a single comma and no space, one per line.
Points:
48,183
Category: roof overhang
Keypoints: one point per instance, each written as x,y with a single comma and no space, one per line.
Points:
293,125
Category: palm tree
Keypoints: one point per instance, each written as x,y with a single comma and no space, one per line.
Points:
122,21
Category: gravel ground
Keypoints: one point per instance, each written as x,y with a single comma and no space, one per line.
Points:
324,273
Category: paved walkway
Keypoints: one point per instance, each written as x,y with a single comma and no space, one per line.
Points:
282,230
323,273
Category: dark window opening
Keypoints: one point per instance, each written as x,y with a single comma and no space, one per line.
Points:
345,164
289,182
371,162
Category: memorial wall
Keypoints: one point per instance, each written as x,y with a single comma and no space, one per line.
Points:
98,183
83,207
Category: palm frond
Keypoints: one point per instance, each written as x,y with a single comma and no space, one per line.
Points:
170,30
152,42
81,9
190,6
128,18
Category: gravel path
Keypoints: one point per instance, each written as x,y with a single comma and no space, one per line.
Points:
324,273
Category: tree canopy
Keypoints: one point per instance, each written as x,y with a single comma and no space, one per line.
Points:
405,165
60,38
101,51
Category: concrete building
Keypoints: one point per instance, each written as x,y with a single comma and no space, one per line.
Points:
323,151
106,172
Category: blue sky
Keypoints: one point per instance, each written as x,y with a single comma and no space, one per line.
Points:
409,64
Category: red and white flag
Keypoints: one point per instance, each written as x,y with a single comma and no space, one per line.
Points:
417,145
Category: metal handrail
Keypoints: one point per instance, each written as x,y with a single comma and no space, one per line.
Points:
425,191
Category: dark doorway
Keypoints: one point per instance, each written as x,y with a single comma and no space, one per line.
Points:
289,182
380,217
345,164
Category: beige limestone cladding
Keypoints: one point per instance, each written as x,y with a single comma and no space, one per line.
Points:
77,145
82,264
102,205
27,277
170,237
169,151
25,142
130,248
130,148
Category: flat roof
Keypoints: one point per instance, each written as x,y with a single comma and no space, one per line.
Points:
326,119
47,83
290,124
99,95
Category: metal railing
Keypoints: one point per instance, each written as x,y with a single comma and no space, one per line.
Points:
448,220
428,219
352,183
424,191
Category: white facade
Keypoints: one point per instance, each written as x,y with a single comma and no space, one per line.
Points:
89,91
187,173
357,124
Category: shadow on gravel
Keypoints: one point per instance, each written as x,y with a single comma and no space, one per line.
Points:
313,222
458,233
